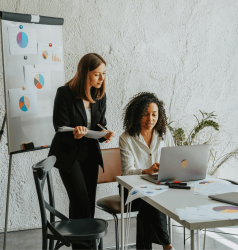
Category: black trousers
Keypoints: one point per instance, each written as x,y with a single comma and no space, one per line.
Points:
81,185
151,224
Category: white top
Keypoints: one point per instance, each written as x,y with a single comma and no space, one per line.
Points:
137,156
88,113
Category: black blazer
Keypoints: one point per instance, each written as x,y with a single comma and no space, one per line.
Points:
70,111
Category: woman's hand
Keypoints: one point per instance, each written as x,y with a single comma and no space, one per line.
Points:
79,132
108,136
153,169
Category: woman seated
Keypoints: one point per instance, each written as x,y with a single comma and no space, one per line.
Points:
146,132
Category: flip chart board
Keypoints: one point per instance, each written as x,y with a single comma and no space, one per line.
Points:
33,67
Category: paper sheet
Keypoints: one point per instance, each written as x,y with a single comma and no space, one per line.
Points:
23,102
38,77
50,55
90,134
214,187
196,213
22,41
145,190
227,211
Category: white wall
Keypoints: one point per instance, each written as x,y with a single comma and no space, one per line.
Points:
184,51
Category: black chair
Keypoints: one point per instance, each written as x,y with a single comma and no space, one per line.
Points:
88,232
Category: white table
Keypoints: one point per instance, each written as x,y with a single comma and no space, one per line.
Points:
168,201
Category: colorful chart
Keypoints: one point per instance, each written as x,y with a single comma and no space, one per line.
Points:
39,81
55,58
134,192
158,188
22,39
45,54
226,209
143,187
206,182
24,103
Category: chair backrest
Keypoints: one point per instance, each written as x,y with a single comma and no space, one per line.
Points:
41,172
112,165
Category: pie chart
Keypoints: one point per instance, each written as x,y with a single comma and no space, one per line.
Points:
45,54
226,209
39,81
22,39
24,103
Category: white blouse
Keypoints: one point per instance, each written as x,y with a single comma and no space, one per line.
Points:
137,156
88,113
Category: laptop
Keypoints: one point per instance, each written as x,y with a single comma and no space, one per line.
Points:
182,163
230,198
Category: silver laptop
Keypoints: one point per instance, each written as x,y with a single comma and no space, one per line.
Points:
230,198
183,163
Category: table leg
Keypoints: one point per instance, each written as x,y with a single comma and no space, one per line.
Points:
170,230
192,239
122,217
198,239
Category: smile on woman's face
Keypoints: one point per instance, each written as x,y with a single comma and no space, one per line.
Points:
96,77
150,118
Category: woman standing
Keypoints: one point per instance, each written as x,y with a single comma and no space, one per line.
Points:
146,132
81,104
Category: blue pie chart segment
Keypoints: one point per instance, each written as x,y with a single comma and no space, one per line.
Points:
22,39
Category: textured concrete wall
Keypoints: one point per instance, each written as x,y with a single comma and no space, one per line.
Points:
184,51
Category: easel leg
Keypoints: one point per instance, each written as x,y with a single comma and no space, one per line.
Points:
7,203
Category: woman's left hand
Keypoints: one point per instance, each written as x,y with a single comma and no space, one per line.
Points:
108,136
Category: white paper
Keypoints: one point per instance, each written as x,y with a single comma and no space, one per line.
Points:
145,190
50,55
38,77
214,187
23,102
22,41
227,211
35,19
196,213
90,134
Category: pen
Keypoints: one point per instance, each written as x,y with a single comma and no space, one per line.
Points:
102,127
175,182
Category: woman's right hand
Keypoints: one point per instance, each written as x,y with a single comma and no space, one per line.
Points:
79,132
153,169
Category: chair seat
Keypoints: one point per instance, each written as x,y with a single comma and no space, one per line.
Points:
81,229
111,203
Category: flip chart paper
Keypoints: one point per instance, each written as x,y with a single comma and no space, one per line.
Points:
145,190
22,41
23,102
38,77
52,56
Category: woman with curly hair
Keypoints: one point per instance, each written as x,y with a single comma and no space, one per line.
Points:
146,132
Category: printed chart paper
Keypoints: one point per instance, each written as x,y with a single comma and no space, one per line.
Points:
196,213
145,190
22,41
50,55
228,211
90,134
38,77
214,187
23,102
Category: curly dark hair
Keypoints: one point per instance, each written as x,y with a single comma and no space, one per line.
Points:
136,109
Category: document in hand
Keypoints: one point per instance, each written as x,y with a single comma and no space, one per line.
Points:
90,134
145,190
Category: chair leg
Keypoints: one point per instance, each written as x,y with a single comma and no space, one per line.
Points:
184,236
95,244
51,245
44,243
100,246
116,231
